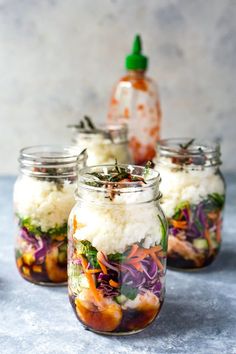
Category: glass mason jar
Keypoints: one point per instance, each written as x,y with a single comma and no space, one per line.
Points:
104,144
43,199
193,191
117,249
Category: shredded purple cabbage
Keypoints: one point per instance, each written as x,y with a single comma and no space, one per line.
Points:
196,222
103,280
39,244
146,279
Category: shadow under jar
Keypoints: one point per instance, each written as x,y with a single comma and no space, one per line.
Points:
43,199
193,191
117,249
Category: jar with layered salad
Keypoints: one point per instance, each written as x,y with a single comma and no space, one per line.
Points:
117,249
43,199
104,143
193,199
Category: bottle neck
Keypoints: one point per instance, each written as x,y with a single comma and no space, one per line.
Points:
137,73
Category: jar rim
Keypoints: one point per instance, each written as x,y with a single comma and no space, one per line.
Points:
115,132
86,176
41,160
199,152
86,181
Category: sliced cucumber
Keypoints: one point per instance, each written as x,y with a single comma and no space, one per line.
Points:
121,299
200,243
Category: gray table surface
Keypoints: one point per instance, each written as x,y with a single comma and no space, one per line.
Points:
198,316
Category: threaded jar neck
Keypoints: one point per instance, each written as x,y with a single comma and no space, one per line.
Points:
112,133
118,184
188,153
51,162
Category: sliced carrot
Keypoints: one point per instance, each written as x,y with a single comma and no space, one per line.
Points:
114,284
19,262
74,224
141,253
37,268
212,215
179,224
137,259
133,251
77,225
158,262
103,267
93,271
137,266
155,248
90,279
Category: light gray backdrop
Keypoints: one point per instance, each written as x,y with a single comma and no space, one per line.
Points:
60,58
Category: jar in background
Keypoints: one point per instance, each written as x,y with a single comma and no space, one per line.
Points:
117,249
193,191
43,199
104,144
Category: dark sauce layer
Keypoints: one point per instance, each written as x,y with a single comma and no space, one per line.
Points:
176,261
132,320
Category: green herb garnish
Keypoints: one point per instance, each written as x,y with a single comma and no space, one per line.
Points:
116,175
149,165
84,124
164,241
18,253
85,248
129,292
36,230
89,122
116,257
187,145
217,199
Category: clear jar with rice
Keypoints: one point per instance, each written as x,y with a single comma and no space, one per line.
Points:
43,199
104,143
193,199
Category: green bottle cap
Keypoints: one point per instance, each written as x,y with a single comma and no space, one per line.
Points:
136,60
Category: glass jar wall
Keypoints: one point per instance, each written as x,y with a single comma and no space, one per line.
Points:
117,249
43,199
104,144
193,199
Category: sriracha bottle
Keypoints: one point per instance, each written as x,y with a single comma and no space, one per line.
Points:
135,101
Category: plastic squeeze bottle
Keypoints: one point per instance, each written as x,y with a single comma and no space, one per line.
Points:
135,101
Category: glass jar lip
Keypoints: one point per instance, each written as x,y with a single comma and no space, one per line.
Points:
202,151
52,161
85,177
51,154
114,132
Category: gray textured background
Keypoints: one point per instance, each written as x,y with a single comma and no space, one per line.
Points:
60,58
